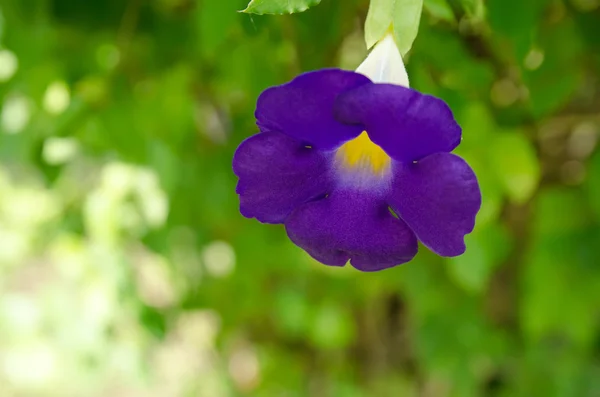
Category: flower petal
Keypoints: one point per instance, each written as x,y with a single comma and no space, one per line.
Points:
406,124
277,174
438,197
303,108
352,225
384,64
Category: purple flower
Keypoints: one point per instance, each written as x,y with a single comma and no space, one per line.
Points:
358,171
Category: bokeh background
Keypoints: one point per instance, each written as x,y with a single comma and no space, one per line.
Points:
126,269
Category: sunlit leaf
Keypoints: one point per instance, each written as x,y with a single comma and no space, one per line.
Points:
279,6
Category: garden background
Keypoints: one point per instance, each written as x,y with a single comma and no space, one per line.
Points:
127,270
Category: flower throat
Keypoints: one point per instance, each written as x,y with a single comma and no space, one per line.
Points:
362,153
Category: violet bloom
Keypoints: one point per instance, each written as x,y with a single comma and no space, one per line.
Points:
358,171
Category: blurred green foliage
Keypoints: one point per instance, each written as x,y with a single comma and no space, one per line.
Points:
126,269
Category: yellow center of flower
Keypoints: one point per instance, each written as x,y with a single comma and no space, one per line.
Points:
361,152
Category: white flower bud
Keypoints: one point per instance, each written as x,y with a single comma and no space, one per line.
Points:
384,64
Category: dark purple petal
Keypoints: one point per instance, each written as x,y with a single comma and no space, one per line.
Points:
277,174
303,108
352,225
438,197
406,124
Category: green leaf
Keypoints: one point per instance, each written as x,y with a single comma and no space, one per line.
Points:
379,20
439,9
407,16
403,15
515,161
279,7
